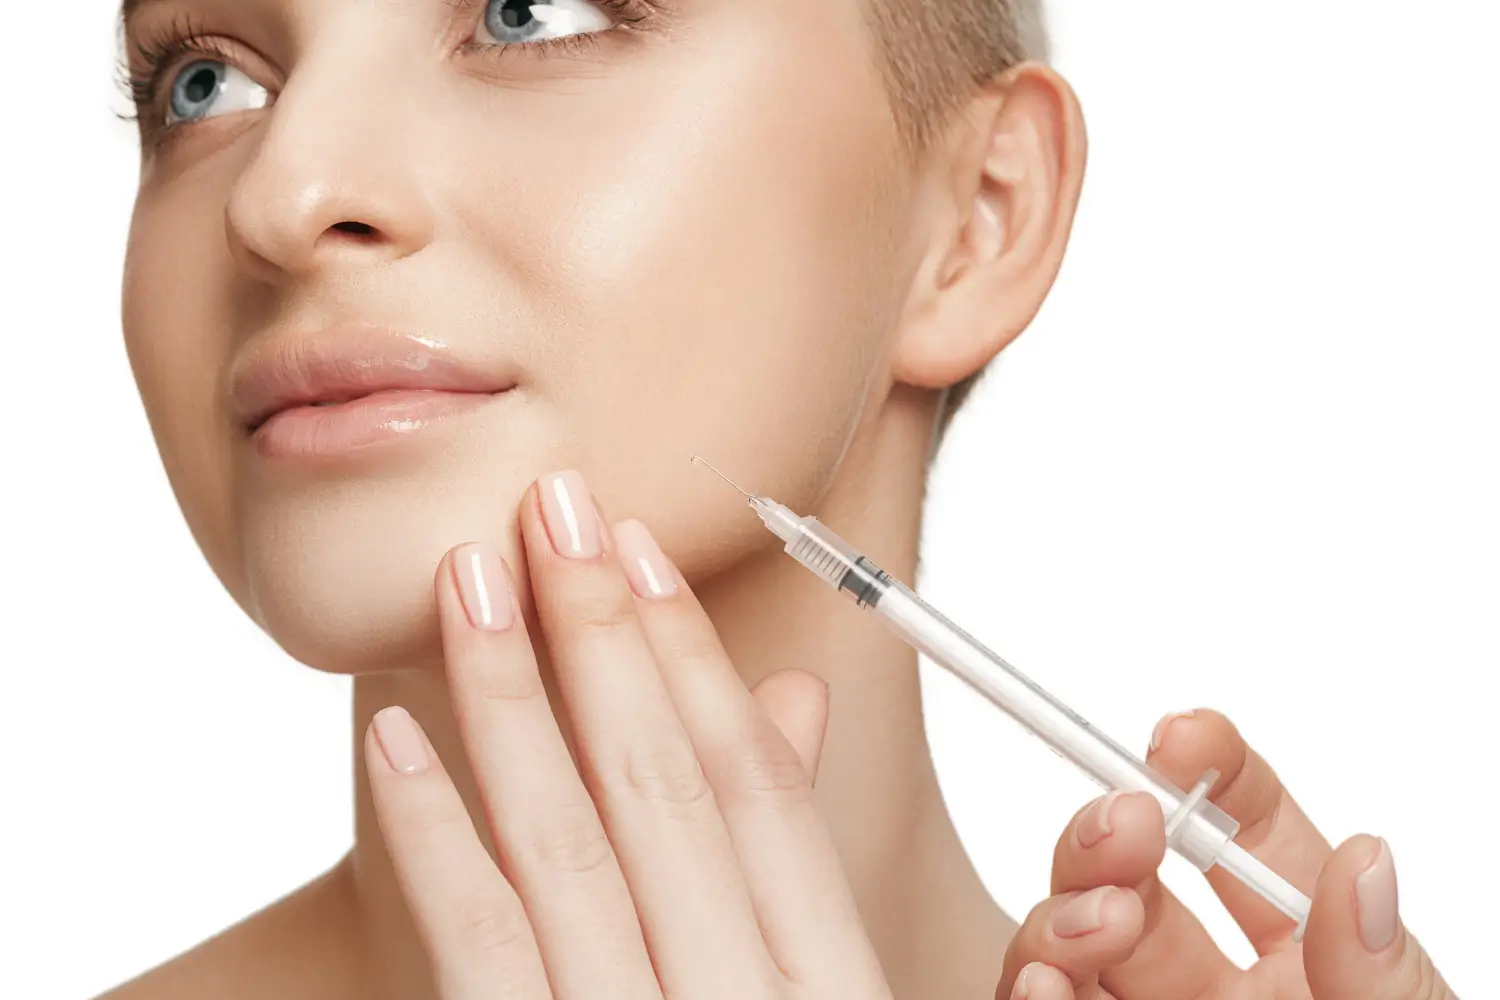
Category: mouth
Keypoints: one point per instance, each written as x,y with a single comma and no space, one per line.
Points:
354,388
389,398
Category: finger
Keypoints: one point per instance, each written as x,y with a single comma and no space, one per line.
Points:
1356,947
635,755
1042,982
807,914
797,702
1121,840
1079,933
1114,840
1272,826
548,836
469,919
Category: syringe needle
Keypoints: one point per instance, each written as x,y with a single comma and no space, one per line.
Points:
699,461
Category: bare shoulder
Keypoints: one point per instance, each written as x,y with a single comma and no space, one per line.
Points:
301,946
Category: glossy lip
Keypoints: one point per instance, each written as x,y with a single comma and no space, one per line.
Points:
346,364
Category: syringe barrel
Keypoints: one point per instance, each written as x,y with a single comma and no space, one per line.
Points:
840,565
1202,835
1196,828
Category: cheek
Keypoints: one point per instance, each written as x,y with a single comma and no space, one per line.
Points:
174,319
717,276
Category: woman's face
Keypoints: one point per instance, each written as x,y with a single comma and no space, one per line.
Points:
638,230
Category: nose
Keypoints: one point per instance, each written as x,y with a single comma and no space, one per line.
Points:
332,183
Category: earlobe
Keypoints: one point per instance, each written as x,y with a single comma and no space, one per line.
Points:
1017,177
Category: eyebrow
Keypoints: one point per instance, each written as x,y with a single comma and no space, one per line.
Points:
129,7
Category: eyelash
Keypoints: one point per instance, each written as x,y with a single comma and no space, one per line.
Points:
184,36
628,15
158,53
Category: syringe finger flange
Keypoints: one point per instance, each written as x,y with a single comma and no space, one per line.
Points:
1196,828
1190,804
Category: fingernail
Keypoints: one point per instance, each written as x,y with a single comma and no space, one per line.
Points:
572,523
605,541
400,741
1082,915
1160,732
650,574
1020,991
483,587
1375,898
1094,825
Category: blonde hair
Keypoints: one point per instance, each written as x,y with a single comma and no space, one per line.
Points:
936,54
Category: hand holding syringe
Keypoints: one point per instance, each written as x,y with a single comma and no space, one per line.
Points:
1196,828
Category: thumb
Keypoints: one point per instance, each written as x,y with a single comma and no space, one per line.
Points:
798,703
1356,947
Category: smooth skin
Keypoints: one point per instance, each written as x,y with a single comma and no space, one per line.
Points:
1112,931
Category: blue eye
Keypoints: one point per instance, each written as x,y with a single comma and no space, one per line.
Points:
511,22
209,87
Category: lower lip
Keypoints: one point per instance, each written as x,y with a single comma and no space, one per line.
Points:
380,418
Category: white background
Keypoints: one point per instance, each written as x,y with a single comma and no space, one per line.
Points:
1247,458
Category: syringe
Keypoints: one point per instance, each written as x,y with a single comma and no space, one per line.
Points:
1196,828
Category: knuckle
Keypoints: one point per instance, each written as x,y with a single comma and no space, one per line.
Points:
771,772
487,924
1417,978
574,843
689,645
1259,829
509,682
668,773
429,824
600,612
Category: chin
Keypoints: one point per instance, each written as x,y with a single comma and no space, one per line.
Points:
349,589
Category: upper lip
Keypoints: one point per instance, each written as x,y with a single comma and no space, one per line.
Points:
346,364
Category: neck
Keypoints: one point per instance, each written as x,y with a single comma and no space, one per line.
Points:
936,930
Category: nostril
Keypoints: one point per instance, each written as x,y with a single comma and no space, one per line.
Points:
355,228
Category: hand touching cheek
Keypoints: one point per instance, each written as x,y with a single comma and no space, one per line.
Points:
682,856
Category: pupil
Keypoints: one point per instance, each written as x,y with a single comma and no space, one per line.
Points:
201,85
516,13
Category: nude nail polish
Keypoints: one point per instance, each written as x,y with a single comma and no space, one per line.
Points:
1081,915
568,512
1376,902
1160,732
1094,825
650,574
483,587
400,741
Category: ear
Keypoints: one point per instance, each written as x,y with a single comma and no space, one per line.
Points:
1008,180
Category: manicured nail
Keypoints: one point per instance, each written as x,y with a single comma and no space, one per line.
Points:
1020,990
483,587
1160,732
650,574
400,741
1082,915
606,539
1094,825
1375,898
568,511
